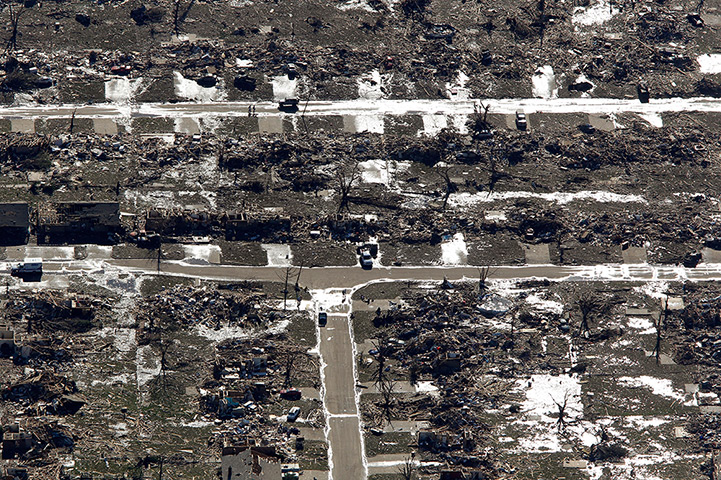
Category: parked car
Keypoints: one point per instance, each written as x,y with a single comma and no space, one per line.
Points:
521,122
485,134
643,94
290,394
366,259
293,414
288,105
322,319
587,128
29,267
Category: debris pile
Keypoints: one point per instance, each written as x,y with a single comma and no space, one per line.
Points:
213,308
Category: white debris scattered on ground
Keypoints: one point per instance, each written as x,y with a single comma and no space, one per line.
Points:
201,254
147,365
331,300
653,119
544,391
381,171
460,123
123,338
544,83
709,63
470,199
638,421
427,387
23,99
190,89
197,424
122,90
356,5
370,86
659,386
457,90
613,117
543,394
168,199
279,254
374,171
643,324
120,379
50,253
433,124
368,123
584,78
653,289
544,305
226,332
284,87
455,251
599,13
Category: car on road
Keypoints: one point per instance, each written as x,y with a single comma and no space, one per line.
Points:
521,122
366,259
31,266
288,105
322,319
293,414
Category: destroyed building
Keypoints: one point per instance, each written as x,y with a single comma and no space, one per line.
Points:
182,222
79,222
245,226
7,340
14,223
250,462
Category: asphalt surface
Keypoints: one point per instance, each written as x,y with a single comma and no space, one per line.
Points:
366,107
348,277
344,434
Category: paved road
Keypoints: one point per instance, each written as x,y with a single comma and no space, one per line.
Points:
348,277
344,434
367,107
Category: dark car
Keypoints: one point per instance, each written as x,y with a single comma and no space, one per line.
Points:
521,122
322,319
288,105
485,134
643,94
291,394
587,128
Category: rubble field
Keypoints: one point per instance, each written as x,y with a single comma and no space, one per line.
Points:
531,379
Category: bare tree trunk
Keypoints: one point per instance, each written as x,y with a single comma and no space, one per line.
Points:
14,23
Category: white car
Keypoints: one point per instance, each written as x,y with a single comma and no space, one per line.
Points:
293,414
366,259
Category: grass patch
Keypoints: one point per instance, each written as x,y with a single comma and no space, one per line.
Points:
158,283
242,253
389,443
302,329
314,456
363,328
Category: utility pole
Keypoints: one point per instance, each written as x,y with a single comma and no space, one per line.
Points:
285,288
